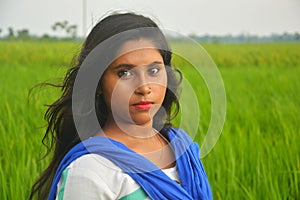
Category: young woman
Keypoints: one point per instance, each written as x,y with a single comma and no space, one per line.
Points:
134,152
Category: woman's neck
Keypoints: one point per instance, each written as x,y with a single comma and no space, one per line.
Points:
144,140
115,129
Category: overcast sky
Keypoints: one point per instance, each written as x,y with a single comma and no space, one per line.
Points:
215,17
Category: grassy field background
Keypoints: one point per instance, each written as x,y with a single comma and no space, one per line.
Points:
256,157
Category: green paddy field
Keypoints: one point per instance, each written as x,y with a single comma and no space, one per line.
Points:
256,157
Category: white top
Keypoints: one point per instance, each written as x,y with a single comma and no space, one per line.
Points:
94,177
172,173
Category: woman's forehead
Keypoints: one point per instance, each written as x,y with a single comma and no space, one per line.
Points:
133,45
141,57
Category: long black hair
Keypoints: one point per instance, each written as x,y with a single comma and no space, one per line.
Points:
61,134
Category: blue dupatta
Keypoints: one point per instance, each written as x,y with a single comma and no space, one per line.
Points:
157,185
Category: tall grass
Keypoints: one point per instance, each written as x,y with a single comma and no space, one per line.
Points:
23,66
256,157
255,54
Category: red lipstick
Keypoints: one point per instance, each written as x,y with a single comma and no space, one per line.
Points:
143,105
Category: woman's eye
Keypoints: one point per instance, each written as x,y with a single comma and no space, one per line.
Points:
153,71
125,74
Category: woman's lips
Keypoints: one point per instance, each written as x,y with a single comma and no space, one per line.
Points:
143,105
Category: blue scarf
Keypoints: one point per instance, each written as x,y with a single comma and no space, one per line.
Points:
157,185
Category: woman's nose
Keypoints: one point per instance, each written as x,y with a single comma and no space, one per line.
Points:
143,85
143,89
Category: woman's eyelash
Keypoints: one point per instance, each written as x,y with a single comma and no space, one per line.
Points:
124,73
154,70
128,73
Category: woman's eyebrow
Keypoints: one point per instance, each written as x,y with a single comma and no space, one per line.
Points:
122,65
129,66
155,63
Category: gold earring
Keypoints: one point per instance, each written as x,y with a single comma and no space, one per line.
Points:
98,94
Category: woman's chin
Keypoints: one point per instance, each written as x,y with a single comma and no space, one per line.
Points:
145,120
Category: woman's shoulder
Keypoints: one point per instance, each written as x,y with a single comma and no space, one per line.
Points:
98,176
179,134
182,141
99,168
94,162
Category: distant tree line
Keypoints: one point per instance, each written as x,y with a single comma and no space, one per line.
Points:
68,31
285,37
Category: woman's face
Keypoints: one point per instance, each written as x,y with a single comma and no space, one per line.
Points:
134,85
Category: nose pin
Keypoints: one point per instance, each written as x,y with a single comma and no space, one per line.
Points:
144,89
148,89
